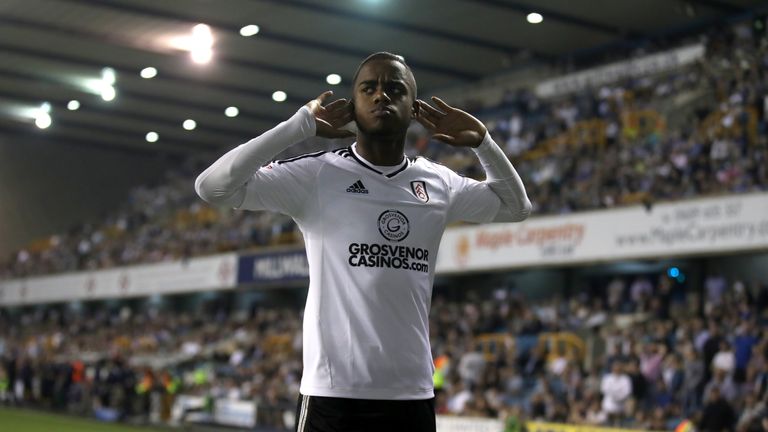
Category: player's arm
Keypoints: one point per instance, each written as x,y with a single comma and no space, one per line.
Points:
458,128
226,182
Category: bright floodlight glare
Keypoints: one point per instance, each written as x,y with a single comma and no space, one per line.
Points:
152,137
73,105
279,96
201,43
202,56
148,72
201,29
108,75
189,124
249,30
43,120
202,36
535,18
108,93
333,79
231,111
45,107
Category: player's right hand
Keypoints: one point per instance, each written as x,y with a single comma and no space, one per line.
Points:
330,118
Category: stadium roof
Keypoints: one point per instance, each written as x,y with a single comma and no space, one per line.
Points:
55,50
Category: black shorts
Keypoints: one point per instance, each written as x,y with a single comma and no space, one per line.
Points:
330,414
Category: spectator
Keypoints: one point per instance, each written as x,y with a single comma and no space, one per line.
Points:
723,383
715,286
471,365
651,357
751,414
718,415
711,347
461,395
639,382
641,291
693,380
596,415
725,359
616,388
616,290
744,342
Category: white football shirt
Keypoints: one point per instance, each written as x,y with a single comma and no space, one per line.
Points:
371,241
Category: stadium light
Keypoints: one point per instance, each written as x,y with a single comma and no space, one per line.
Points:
43,116
148,72
189,124
152,137
108,93
104,86
279,96
73,105
231,111
201,33
99,86
43,120
108,76
201,48
333,79
199,44
535,18
249,30
202,56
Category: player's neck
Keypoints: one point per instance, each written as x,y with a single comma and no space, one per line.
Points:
381,151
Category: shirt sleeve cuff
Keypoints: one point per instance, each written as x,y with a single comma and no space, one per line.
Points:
486,146
308,124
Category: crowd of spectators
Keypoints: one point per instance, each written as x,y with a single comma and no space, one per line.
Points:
706,365
613,145
129,366
663,354
596,148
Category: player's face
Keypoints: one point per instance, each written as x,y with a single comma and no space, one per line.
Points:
383,98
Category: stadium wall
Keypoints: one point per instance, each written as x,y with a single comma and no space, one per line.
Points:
47,188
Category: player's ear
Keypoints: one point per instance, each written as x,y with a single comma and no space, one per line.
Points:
414,109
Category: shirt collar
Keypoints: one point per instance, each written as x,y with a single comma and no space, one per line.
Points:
388,171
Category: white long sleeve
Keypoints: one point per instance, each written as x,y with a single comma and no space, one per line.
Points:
224,182
504,181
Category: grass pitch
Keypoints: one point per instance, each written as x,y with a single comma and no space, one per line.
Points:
20,420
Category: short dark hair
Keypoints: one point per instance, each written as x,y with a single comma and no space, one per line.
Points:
383,55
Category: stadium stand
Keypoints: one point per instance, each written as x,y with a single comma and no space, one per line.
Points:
695,131
493,350
661,352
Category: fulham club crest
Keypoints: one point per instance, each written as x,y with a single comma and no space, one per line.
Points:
419,189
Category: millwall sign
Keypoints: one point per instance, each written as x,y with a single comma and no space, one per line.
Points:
288,266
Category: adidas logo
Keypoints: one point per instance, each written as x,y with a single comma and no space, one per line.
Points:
357,187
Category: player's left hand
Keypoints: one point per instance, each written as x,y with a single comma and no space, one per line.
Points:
450,125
